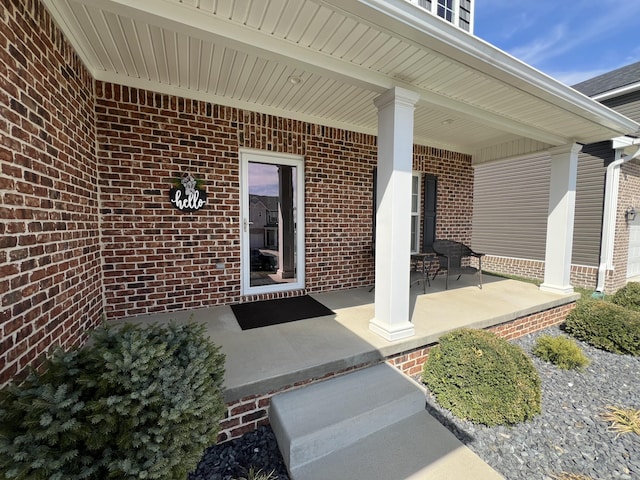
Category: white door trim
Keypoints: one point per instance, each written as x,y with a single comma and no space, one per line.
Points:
262,156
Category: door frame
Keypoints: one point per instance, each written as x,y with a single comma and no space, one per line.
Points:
274,158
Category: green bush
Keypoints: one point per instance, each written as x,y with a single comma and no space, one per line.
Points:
628,296
561,351
481,377
139,402
605,325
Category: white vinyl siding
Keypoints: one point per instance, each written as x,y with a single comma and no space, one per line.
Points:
511,202
587,227
628,105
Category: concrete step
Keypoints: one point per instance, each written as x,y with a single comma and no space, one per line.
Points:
415,448
370,424
313,421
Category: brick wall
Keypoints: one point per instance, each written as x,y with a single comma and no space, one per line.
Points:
581,276
628,196
50,282
85,170
159,259
454,201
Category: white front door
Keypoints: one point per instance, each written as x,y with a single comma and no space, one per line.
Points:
272,216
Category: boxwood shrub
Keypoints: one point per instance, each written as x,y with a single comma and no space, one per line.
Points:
483,378
628,296
563,352
605,325
139,402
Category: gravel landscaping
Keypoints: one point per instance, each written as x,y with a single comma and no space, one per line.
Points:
569,436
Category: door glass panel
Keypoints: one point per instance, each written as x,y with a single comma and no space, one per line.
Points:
272,224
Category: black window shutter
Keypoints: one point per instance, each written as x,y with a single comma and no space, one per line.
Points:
429,214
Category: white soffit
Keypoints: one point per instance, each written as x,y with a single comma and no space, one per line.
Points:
344,53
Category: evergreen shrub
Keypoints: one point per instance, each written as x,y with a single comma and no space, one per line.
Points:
483,378
139,402
606,326
563,352
628,296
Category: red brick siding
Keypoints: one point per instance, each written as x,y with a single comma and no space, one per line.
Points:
50,284
628,196
411,363
533,323
338,208
584,276
454,201
581,276
159,259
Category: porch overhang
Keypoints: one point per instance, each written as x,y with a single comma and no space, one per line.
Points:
325,61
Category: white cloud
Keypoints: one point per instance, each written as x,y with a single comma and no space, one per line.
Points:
263,179
573,77
539,49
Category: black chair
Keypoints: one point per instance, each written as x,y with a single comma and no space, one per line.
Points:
420,269
451,257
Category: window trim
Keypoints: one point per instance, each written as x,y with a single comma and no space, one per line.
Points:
415,240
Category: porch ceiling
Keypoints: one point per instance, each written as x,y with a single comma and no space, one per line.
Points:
344,53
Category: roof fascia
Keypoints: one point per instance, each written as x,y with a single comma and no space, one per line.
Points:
617,92
402,18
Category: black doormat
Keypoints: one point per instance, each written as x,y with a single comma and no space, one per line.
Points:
281,310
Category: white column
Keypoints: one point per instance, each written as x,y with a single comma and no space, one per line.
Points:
393,220
562,202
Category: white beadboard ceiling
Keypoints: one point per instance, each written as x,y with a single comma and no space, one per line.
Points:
344,53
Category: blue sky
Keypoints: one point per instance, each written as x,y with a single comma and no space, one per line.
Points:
571,41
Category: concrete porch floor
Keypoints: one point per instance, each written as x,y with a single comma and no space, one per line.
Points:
266,359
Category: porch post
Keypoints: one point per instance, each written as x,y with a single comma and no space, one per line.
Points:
393,218
562,201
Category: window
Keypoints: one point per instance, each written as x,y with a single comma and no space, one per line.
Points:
457,12
445,10
415,213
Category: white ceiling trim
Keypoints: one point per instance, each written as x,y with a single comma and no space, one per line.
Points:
145,84
212,28
178,47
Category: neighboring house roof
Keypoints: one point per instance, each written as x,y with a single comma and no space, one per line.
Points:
617,81
325,61
269,202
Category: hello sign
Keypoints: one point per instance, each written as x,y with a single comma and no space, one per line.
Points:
186,195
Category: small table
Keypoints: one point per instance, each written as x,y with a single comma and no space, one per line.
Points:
424,261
